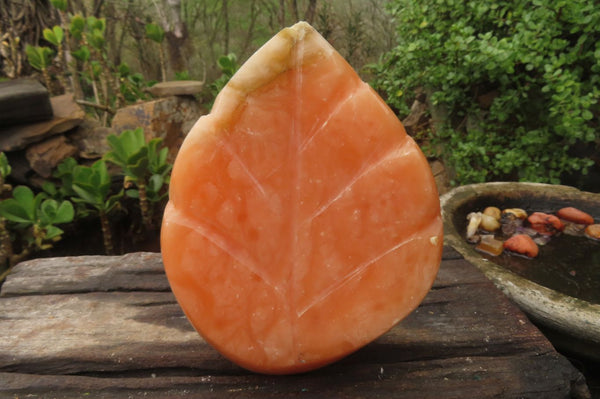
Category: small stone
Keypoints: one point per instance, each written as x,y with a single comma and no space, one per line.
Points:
574,229
510,224
523,245
490,245
545,223
46,155
67,115
493,212
169,118
489,223
575,215
518,212
90,138
474,219
418,112
593,231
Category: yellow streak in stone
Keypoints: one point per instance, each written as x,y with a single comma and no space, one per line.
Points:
272,59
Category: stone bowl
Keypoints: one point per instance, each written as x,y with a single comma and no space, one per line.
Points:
568,314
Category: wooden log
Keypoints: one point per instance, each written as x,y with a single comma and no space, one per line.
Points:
108,338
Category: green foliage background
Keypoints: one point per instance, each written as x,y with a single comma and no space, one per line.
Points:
538,60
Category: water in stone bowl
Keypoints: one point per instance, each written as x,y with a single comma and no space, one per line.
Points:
559,289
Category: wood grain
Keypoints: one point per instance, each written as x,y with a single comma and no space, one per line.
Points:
109,327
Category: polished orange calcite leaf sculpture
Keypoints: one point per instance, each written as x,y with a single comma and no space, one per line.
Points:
303,222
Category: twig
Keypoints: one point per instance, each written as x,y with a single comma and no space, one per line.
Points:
105,108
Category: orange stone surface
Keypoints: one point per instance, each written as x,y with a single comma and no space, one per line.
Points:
575,215
303,222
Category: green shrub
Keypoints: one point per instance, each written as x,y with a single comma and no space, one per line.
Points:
91,184
34,217
228,65
537,61
146,170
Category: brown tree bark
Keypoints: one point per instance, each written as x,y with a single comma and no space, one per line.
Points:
281,14
294,10
309,14
97,8
176,35
225,14
254,12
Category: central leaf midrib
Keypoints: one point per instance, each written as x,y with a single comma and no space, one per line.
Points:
294,190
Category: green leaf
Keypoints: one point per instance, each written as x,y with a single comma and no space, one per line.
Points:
39,57
25,198
82,53
65,213
124,69
53,232
92,186
113,201
101,173
129,151
124,146
77,26
37,203
50,188
94,23
51,212
96,39
87,196
155,33
158,163
133,193
59,4
228,64
155,183
13,211
137,165
96,68
54,35
5,168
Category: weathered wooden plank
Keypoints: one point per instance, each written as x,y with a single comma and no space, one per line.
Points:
525,375
140,271
465,340
119,331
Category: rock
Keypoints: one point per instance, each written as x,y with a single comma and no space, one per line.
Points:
90,138
23,101
440,174
416,117
21,171
46,155
486,100
169,118
67,115
522,244
177,88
